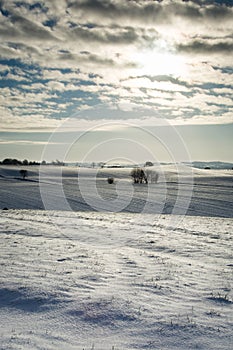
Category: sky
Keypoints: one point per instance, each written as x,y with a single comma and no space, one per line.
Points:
78,75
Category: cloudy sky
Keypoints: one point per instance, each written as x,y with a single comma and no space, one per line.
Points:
142,61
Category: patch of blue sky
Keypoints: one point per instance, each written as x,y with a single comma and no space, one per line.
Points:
24,84
4,73
35,71
72,24
221,108
13,83
51,22
86,25
89,25
74,102
63,70
190,112
31,7
212,2
26,67
4,12
93,75
208,86
190,93
223,2
226,70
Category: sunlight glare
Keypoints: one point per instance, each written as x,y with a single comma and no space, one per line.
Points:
157,63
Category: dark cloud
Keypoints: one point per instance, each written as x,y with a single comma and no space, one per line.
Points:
116,10
24,47
126,35
114,35
19,27
211,2
108,62
87,57
218,12
98,59
192,88
152,11
211,37
203,47
162,78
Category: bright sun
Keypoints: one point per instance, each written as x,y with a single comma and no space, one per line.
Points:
156,63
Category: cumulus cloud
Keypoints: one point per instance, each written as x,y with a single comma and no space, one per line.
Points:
60,56
201,47
10,122
150,11
113,35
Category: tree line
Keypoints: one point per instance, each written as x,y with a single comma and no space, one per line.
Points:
13,161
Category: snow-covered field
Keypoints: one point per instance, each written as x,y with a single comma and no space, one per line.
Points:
181,190
136,279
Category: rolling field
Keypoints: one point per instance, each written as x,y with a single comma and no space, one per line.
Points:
131,274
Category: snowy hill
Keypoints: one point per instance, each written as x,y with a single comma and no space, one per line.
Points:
212,165
107,267
180,190
115,281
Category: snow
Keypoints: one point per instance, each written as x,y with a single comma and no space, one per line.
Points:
134,279
180,190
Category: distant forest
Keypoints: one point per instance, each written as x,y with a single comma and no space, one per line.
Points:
12,161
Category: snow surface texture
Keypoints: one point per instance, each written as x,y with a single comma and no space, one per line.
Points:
114,281
179,191
135,279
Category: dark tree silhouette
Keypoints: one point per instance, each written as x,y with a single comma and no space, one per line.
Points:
23,173
138,176
110,180
148,163
10,161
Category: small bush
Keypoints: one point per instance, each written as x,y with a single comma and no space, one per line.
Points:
110,180
23,173
148,163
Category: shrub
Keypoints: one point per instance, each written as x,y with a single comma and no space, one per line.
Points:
110,180
23,173
138,176
148,163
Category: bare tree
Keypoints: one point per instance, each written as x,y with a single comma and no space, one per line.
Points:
138,176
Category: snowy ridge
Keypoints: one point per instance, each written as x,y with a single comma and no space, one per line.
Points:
89,280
